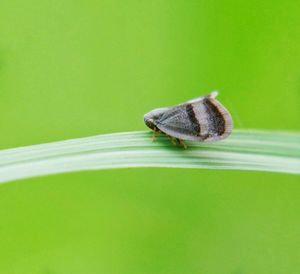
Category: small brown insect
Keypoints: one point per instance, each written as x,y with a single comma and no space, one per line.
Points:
201,119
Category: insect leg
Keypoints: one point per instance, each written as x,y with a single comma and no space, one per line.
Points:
173,140
155,134
182,143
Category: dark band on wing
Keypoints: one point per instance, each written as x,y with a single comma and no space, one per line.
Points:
216,121
193,119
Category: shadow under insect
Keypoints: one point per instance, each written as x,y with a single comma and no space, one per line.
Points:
175,141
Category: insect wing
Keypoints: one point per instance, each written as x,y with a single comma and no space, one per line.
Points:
176,122
201,119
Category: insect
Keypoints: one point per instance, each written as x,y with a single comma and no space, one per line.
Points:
201,119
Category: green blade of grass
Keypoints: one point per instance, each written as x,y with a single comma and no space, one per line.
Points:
243,150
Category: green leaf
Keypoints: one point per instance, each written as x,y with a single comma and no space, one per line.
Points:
243,150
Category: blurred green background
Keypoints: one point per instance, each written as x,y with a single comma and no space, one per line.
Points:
80,68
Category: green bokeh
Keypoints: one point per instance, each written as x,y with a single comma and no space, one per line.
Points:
79,68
